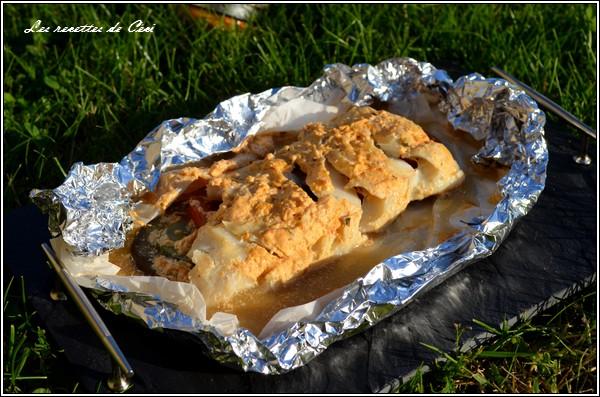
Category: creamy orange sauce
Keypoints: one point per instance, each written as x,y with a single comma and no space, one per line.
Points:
423,224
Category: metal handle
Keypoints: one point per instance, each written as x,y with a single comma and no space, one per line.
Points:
582,157
546,102
90,314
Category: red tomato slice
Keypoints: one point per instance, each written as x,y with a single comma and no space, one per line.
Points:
196,213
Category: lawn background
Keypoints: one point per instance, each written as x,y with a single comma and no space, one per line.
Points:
91,97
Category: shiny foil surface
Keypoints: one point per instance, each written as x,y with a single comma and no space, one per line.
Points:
91,208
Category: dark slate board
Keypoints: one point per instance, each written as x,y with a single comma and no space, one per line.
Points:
549,254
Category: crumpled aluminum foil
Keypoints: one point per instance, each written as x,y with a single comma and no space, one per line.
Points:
90,209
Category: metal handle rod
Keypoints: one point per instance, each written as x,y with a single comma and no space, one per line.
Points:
90,314
547,103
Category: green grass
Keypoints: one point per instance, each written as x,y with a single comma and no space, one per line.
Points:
92,97
555,352
32,364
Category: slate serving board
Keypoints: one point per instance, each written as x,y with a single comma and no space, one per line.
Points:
549,254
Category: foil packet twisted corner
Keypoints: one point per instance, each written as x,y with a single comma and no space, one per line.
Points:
90,210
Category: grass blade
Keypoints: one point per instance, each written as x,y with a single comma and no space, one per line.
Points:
488,328
503,354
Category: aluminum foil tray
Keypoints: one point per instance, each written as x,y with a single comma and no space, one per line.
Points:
90,210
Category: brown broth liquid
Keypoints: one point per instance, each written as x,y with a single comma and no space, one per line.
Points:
122,258
423,224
